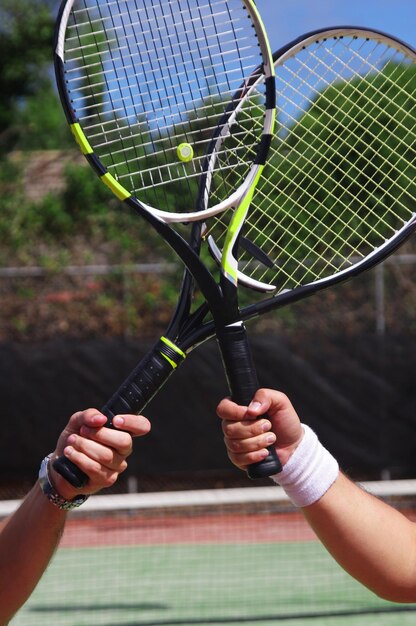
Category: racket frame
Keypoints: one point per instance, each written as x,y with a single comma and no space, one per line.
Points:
110,181
221,298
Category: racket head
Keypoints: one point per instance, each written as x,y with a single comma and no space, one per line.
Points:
338,190
144,86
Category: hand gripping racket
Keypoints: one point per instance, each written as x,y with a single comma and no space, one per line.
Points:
152,92
344,239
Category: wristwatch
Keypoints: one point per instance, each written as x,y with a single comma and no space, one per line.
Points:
50,491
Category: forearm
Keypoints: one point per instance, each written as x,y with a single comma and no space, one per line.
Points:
27,543
372,541
375,543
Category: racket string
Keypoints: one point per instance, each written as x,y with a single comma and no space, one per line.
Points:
351,120
138,97
337,186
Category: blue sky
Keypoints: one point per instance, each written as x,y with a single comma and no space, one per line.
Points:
287,20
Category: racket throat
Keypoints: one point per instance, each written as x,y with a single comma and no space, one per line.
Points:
231,311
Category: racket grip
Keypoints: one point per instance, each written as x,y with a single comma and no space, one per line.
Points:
132,396
71,472
243,384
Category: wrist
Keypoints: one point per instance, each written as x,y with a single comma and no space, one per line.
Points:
286,452
58,498
309,472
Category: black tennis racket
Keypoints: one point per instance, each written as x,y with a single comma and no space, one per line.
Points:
302,234
153,92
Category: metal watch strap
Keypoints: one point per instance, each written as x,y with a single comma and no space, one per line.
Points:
50,491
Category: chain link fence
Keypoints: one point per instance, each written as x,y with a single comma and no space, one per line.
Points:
136,300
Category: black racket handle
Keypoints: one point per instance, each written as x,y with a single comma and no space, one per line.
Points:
243,383
132,396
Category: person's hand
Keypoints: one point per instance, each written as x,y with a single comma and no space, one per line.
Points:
98,451
247,435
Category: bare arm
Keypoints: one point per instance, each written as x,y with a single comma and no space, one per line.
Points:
27,543
31,535
371,540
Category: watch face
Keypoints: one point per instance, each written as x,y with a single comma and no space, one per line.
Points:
43,472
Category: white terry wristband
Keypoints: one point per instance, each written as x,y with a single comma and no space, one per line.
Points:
309,472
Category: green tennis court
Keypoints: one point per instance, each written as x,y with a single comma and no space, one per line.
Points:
293,583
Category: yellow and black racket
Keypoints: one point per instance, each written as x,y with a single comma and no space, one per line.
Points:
153,93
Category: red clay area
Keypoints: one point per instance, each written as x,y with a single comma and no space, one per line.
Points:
139,530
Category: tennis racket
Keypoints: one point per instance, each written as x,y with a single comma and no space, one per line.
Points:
152,92
317,239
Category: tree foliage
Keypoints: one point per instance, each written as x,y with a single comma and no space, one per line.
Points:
30,116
